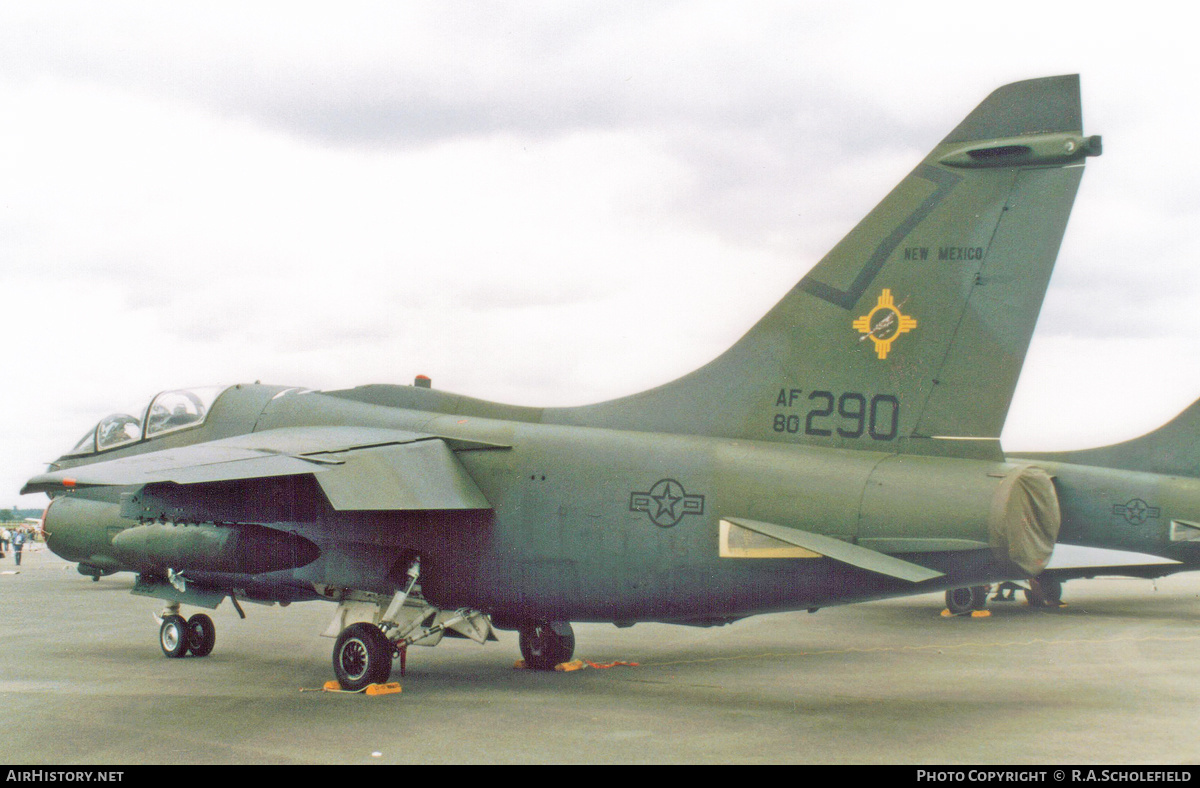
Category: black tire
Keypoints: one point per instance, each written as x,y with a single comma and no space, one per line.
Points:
362,656
544,645
173,636
1044,591
960,601
1052,589
202,635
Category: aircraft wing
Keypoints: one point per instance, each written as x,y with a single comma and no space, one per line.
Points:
846,553
357,468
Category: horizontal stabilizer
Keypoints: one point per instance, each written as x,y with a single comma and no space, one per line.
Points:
844,552
1070,556
916,544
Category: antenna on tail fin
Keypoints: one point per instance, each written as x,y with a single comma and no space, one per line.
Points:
910,334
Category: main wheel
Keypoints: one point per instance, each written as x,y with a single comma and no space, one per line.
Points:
1051,589
544,645
960,601
201,635
362,655
1044,591
173,636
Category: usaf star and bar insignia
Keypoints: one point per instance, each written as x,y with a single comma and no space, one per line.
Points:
666,503
1136,511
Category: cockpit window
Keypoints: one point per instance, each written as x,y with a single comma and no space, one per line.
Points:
117,429
170,411
87,444
174,410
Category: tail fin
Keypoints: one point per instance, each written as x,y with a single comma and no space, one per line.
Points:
910,334
1173,449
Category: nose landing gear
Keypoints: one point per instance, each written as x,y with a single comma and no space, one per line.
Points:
178,636
202,635
172,636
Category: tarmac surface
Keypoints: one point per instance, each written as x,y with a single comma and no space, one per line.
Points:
1109,679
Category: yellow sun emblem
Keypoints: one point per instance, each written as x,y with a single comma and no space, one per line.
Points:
884,323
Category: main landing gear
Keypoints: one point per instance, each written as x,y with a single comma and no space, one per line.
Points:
363,653
961,601
1043,591
373,629
546,644
362,656
178,636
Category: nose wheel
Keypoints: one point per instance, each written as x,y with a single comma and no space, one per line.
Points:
201,634
177,636
172,636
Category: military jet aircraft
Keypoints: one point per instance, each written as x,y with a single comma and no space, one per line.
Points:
1127,509
845,449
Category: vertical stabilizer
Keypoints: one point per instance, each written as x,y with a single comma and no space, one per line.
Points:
1172,450
910,334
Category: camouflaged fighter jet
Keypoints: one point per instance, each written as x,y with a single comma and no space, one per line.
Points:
845,449
1131,509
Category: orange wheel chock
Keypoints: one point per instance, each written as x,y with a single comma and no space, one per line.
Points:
391,688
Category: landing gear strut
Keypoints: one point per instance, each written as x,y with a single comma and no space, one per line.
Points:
363,651
545,644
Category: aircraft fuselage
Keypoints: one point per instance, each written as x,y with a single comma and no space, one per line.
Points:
585,524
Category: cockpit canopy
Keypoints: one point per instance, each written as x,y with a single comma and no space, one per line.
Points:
169,411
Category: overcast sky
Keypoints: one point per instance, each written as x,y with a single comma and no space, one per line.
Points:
541,203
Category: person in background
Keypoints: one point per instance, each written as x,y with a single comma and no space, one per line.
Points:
18,543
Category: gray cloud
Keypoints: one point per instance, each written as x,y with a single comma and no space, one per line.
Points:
483,191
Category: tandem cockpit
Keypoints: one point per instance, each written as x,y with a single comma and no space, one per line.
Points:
168,412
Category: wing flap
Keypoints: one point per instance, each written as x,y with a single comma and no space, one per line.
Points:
844,552
419,475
